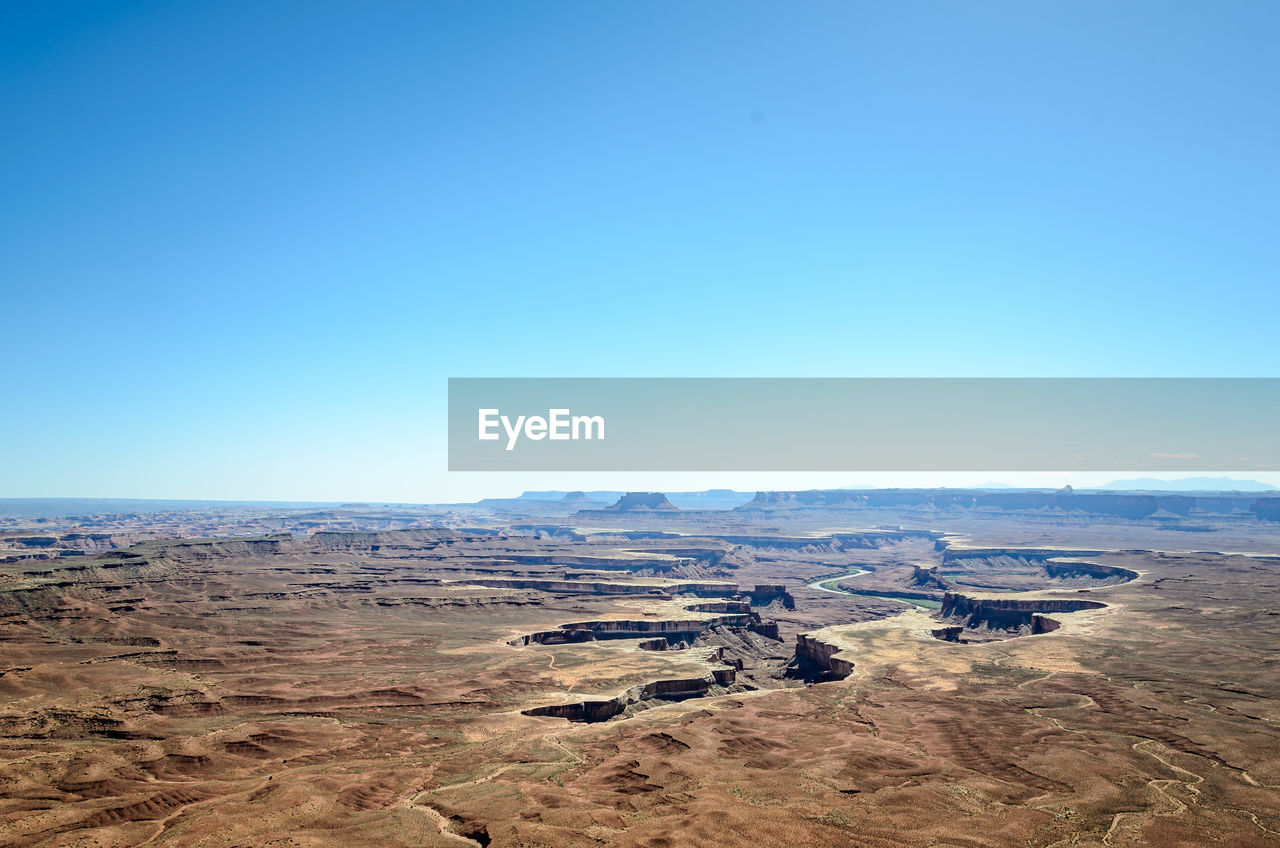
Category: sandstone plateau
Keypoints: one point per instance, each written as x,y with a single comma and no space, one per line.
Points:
896,668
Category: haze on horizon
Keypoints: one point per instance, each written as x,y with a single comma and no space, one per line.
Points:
483,486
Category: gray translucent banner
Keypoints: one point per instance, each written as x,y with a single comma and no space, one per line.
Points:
864,424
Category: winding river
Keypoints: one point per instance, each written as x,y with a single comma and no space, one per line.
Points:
826,584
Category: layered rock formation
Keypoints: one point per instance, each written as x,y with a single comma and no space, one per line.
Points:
563,636
646,695
822,655
673,630
862,540
767,593
599,587
1016,616
766,628
953,553
1092,570
642,502
633,564
929,578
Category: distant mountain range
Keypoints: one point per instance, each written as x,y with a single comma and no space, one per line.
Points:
1187,484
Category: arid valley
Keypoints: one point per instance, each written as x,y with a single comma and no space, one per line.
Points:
860,668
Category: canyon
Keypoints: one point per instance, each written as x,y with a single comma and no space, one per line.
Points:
859,668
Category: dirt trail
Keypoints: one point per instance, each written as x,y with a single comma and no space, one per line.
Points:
442,822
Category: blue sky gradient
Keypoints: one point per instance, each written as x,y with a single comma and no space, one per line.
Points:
243,245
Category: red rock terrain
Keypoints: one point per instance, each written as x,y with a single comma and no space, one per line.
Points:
661,678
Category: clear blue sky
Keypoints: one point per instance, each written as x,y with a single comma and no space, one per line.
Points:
242,245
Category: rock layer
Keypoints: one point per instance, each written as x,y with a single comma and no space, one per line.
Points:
640,697
1019,616
822,654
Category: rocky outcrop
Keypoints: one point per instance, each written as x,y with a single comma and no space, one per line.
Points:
641,697
953,603
44,546
1044,624
672,630
1093,571
633,628
45,586
1025,555
599,587
1016,616
642,502
929,578
948,634
767,628
30,541
741,607
1015,568
767,593
557,637
823,657
625,563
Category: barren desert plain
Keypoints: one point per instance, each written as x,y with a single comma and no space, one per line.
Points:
862,668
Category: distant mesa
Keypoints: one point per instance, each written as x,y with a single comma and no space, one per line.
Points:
642,502
581,500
